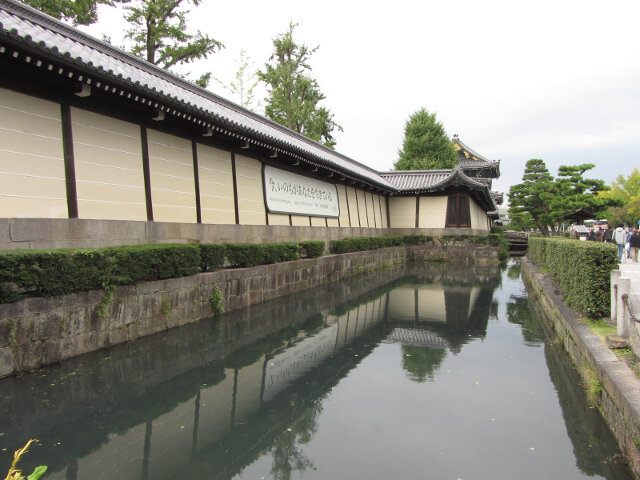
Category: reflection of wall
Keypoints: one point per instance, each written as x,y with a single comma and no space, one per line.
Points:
197,423
430,303
248,389
289,365
216,405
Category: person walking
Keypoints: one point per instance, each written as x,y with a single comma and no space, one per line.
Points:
599,235
620,238
634,243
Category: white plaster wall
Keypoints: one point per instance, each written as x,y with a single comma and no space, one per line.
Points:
215,175
108,165
344,210
402,212
362,208
32,183
370,210
478,216
172,183
250,195
353,207
433,212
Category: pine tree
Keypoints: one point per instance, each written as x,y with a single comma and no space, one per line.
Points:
529,201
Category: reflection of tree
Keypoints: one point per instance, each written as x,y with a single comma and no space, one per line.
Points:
421,363
287,454
519,313
514,270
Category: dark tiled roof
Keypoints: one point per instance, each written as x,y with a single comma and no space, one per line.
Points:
55,38
415,179
425,181
430,180
468,158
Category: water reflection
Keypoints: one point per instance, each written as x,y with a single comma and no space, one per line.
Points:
245,393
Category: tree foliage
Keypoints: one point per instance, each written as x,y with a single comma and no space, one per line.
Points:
293,95
426,145
541,201
626,192
242,87
529,201
159,32
79,12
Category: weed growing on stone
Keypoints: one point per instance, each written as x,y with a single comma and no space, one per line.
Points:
216,300
165,306
102,309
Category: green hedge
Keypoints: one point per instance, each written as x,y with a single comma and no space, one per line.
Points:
212,256
312,248
582,269
251,254
46,273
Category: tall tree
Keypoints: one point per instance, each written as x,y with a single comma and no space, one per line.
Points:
79,12
529,201
426,145
626,193
159,32
293,95
242,87
575,191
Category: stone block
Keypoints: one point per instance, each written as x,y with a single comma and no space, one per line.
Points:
51,352
5,230
7,362
31,230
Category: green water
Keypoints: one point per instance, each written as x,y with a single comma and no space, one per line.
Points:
439,372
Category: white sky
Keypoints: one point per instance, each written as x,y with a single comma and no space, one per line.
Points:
551,79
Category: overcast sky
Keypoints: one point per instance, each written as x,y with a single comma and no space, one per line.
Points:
551,79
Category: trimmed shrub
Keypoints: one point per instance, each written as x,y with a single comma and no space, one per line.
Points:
312,248
582,269
142,263
211,256
47,273
249,255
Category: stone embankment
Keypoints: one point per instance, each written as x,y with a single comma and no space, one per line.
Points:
41,331
614,387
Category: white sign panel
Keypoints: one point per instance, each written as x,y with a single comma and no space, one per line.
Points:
287,192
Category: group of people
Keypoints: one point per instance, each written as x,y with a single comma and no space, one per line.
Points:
628,242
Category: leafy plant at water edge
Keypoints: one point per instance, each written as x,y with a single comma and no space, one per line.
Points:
216,300
15,474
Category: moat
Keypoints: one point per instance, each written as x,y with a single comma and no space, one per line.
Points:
425,371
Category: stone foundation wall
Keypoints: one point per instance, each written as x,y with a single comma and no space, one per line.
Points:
618,399
43,233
